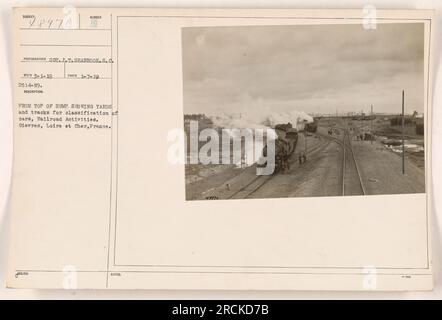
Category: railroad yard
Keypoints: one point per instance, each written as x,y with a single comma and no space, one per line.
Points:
338,163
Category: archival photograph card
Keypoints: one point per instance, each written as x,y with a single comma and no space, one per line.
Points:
230,149
324,90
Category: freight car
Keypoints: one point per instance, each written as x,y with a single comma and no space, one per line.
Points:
311,127
285,145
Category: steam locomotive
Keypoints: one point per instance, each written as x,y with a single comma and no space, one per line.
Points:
285,145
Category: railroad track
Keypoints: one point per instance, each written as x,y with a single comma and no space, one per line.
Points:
353,179
351,183
251,187
259,181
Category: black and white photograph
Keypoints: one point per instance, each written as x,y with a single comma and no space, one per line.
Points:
304,110
219,152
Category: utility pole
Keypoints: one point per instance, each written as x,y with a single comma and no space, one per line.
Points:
372,132
403,128
305,140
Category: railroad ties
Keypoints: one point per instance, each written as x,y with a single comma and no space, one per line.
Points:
351,180
247,183
259,181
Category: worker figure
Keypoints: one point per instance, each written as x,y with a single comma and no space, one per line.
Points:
302,158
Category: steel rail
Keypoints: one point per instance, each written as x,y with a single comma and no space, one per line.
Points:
266,178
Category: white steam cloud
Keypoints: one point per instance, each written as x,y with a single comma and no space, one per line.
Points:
261,120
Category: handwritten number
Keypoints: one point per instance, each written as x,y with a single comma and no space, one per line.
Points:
32,21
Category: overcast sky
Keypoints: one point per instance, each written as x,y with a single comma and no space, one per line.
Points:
306,68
